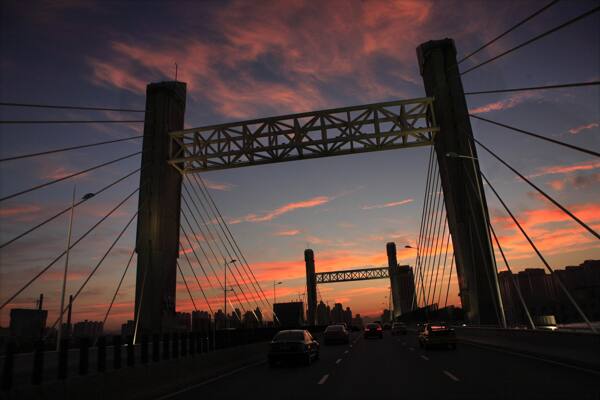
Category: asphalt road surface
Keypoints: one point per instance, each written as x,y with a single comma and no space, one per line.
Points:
396,368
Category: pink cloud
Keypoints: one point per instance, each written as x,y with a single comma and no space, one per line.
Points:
566,169
386,205
17,211
270,215
580,128
577,181
226,187
291,232
506,104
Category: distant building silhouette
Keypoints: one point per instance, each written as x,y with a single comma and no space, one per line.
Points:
357,321
200,321
337,313
128,328
183,322
27,324
87,328
543,295
322,314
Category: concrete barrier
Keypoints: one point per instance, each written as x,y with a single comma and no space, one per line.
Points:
145,381
576,348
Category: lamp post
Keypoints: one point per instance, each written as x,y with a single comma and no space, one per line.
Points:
225,291
64,283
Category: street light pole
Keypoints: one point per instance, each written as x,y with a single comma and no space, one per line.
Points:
225,291
64,283
274,297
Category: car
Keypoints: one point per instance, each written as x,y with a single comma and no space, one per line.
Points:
399,328
293,345
437,335
373,330
336,334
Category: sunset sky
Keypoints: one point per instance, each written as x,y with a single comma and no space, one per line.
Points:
249,59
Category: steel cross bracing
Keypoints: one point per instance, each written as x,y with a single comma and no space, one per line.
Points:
352,275
358,129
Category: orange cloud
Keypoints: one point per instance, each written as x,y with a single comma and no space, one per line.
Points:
506,104
566,169
580,128
578,181
386,205
270,215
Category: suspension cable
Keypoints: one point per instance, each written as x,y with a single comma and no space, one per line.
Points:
439,260
196,256
67,121
445,261
449,278
428,243
436,233
418,270
47,267
557,204
187,287
513,279
212,237
530,88
234,246
198,282
558,279
512,128
63,107
509,30
10,196
563,25
83,146
83,200
91,274
118,287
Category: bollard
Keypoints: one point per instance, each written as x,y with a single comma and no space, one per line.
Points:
166,343
184,344
144,357
175,344
130,352
8,369
156,347
84,355
38,363
192,339
101,354
116,342
63,359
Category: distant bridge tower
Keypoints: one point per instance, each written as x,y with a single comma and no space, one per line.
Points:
464,196
311,287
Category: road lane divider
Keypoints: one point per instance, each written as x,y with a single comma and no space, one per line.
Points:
425,358
411,348
346,352
451,376
323,379
339,360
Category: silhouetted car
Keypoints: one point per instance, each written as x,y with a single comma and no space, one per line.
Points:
293,345
437,335
373,330
399,328
336,334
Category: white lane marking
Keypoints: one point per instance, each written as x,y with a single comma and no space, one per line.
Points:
323,379
339,360
403,343
590,371
449,375
350,345
187,389
425,358
346,352
411,349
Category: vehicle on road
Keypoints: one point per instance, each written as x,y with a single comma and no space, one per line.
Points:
293,345
336,334
373,330
399,328
437,335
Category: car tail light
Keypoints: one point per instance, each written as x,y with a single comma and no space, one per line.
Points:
378,328
366,329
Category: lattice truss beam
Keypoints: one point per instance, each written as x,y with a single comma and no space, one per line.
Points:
352,275
358,129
